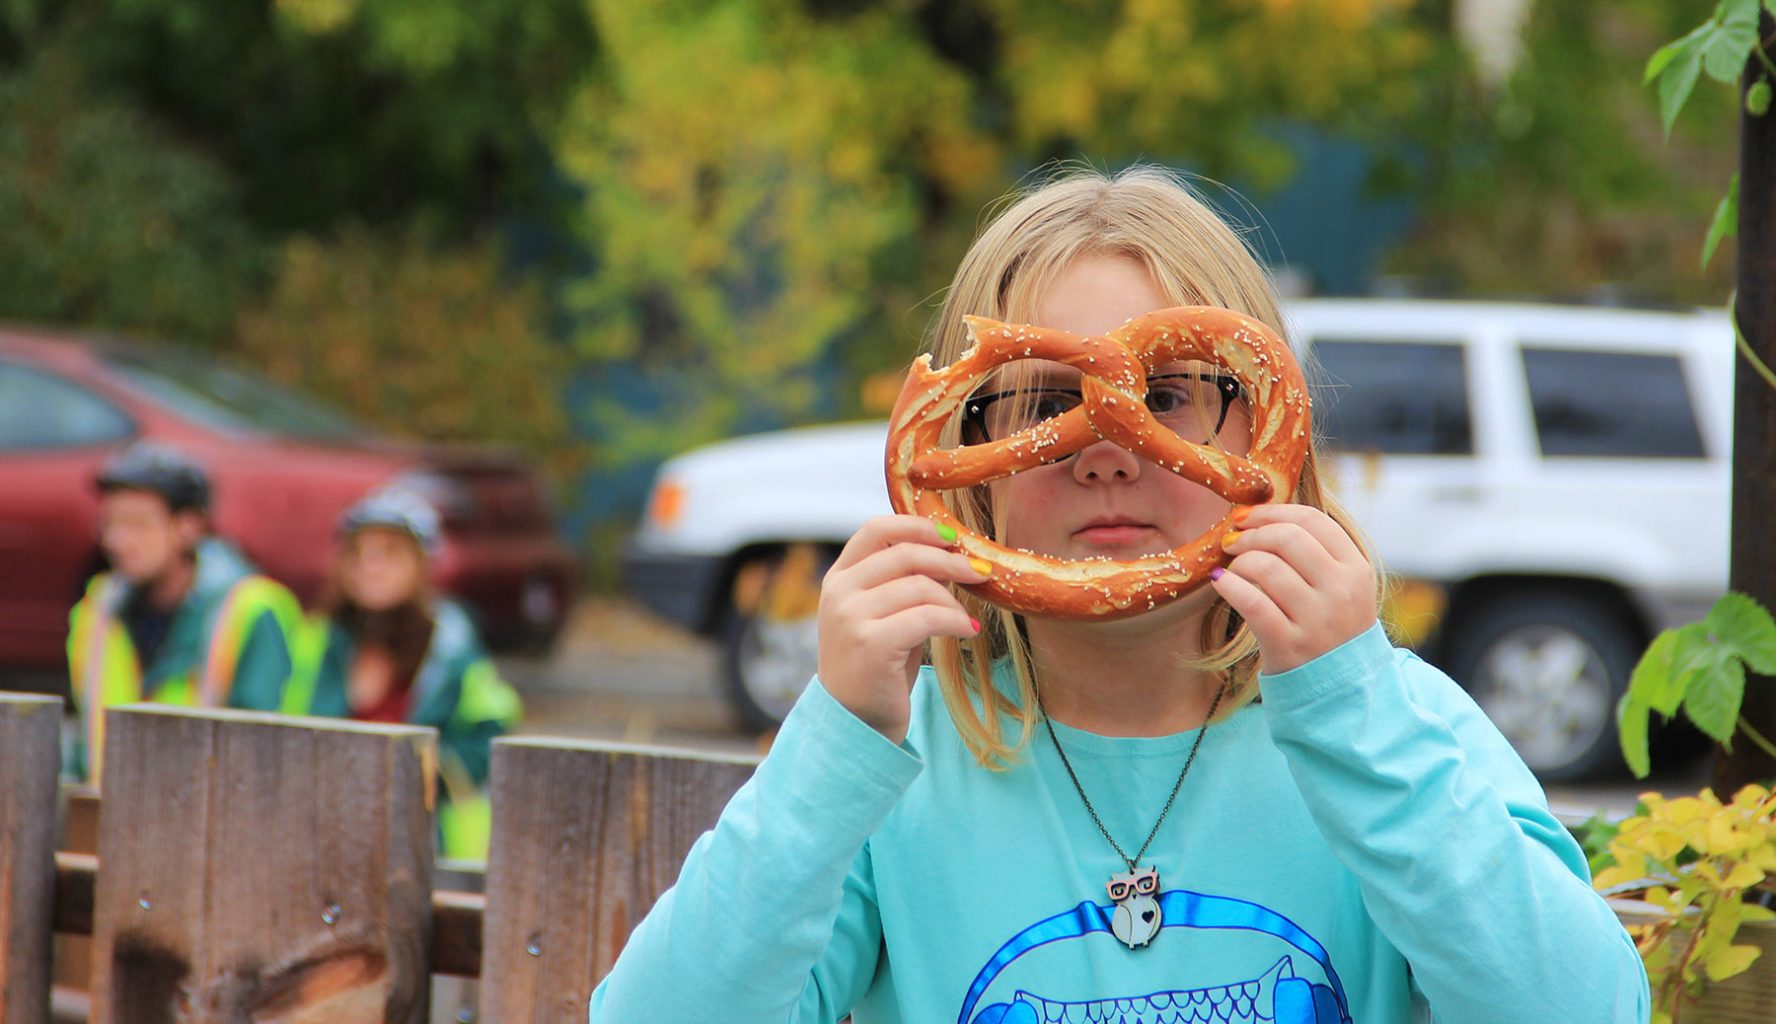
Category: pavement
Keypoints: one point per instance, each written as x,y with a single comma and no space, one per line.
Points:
621,673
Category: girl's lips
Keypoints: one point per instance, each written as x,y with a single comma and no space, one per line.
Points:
1113,535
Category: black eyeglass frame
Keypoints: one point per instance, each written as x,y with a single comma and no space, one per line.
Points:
974,410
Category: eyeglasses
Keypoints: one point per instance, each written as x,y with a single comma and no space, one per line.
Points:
1192,405
1144,884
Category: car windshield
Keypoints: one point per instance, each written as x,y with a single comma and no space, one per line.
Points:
224,398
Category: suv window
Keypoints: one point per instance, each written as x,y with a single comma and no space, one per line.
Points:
1400,398
1611,404
38,410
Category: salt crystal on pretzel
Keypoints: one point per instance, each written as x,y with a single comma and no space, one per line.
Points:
1114,388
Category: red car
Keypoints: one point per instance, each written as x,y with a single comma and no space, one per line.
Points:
281,468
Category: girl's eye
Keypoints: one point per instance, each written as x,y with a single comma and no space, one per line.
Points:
1049,404
1169,397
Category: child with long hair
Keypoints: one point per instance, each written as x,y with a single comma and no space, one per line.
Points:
384,648
1292,819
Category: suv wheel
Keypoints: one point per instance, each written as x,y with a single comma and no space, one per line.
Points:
769,649
1548,670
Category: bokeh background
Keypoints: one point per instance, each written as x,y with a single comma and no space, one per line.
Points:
605,230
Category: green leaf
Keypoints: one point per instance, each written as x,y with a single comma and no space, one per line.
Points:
1677,80
1725,223
1662,58
1745,627
1712,699
1631,731
1733,34
1654,683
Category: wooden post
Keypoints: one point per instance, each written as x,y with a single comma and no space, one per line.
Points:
585,838
262,867
30,760
1753,569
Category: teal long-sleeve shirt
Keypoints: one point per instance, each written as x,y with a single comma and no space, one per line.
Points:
1363,845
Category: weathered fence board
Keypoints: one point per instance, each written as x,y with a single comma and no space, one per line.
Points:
585,838
257,865
30,738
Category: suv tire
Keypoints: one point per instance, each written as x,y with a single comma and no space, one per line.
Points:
1548,669
768,634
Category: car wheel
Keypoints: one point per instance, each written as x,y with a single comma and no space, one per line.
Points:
768,632
1548,670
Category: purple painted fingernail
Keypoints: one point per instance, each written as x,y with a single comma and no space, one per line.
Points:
1217,572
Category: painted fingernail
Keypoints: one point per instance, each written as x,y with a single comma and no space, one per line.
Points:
975,623
946,533
1217,572
1240,513
1231,536
981,565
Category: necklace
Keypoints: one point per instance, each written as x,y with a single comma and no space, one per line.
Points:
1137,918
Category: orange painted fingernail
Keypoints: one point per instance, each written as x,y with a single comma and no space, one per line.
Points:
1240,513
980,565
946,533
1227,541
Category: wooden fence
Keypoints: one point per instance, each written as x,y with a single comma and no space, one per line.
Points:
268,868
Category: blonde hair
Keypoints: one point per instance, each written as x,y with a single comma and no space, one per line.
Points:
1195,259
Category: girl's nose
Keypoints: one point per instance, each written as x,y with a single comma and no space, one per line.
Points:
1106,462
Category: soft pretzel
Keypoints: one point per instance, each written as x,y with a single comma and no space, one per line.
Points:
1114,386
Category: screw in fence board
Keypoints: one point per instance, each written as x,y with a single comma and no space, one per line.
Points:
256,866
30,746
586,836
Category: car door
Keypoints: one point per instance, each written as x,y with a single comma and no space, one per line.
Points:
1396,415
53,435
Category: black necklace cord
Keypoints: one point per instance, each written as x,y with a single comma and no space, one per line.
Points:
1176,786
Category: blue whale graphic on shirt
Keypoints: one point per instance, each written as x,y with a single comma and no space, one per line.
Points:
1277,996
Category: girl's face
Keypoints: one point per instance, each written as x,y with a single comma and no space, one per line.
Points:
383,568
1106,501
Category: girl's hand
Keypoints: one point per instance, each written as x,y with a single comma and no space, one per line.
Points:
879,603
1300,582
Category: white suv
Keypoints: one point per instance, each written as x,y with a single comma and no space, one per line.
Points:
1550,482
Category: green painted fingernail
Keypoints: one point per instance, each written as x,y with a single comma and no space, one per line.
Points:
946,533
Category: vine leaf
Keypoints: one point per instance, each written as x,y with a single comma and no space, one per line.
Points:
1747,631
1726,219
1720,46
1734,33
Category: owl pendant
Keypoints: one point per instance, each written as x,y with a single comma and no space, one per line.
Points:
1136,919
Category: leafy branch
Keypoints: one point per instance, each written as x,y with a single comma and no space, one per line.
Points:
1720,47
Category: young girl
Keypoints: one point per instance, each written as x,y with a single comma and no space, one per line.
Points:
385,649
1243,806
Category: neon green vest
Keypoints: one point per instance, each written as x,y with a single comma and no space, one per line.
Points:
105,670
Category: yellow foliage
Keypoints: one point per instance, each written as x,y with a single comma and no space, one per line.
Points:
1704,857
764,183
426,343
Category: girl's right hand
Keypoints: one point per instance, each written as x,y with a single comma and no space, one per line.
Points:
879,603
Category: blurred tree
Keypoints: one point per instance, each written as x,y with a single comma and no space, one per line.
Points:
336,111
112,221
428,342
1555,181
771,183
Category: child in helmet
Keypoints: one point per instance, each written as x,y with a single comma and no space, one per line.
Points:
384,648
181,617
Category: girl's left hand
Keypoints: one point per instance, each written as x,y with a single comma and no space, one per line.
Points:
1300,582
